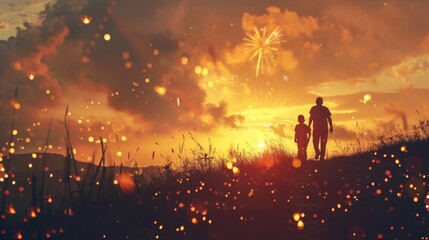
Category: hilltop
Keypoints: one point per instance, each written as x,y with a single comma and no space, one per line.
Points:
379,194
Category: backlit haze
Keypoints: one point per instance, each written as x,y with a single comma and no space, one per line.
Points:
144,73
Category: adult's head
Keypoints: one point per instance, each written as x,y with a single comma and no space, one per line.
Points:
301,119
319,101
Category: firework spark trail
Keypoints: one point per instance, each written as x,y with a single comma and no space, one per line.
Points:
263,46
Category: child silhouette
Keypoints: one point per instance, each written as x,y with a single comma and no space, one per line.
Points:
302,137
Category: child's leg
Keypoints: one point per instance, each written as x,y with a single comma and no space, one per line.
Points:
304,152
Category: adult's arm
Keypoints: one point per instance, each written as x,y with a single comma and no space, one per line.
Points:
331,129
311,117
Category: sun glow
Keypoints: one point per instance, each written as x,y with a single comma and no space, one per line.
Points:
261,144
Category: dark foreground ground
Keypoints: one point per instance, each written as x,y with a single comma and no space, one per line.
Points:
381,194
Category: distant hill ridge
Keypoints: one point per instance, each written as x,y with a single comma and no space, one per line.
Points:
57,163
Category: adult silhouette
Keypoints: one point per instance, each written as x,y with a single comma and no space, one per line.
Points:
320,116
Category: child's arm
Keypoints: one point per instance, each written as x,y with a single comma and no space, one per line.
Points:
308,135
296,140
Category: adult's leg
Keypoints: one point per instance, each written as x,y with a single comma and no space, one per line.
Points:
316,139
324,140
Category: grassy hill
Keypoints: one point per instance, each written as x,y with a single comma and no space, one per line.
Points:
380,194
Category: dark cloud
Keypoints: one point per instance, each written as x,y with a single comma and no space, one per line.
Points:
220,117
22,56
139,70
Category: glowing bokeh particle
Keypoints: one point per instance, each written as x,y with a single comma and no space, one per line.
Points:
296,163
198,70
107,37
367,98
184,60
296,217
236,171
125,55
160,90
86,19
126,183
17,66
16,105
300,225
85,59
205,72
31,76
128,64
11,210
33,213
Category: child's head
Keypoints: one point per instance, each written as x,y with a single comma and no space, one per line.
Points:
301,119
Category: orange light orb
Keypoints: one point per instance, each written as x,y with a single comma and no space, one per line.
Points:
296,163
300,225
85,19
11,210
296,217
235,171
126,183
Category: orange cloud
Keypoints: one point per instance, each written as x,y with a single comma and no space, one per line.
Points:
286,61
425,43
291,23
396,111
236,55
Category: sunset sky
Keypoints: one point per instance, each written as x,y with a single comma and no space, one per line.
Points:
146,72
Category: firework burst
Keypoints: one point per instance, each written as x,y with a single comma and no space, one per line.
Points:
263,46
